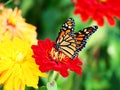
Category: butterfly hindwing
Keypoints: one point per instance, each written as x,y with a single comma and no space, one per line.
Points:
83,35
69,46
66,42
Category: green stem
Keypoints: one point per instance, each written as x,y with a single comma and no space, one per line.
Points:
49,75
53,75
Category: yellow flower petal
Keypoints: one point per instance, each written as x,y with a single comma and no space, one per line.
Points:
17,66
12,24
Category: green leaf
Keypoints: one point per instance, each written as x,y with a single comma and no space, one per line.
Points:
52,85
43,88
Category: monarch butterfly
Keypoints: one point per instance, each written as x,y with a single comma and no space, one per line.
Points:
69,42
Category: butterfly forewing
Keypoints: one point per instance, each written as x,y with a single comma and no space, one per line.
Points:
67,27
83,35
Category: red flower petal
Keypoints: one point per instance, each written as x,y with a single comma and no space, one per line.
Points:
97,10
42,55
110,20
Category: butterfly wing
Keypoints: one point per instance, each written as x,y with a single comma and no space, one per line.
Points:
67,27
66,42
83,35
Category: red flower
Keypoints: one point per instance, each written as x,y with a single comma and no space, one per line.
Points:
48,59
97,10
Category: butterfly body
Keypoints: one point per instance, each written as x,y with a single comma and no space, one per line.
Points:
69,42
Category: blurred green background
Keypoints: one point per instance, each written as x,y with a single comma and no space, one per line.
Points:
101,57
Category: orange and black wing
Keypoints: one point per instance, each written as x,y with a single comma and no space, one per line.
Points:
83,35
66,41
67,27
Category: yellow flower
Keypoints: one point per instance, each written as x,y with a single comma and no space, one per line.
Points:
17,66
12,24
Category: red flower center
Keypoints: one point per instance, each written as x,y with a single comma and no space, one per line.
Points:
101,1
56,56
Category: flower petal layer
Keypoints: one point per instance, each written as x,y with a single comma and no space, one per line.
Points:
46,63
12,24
17,66
98,10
